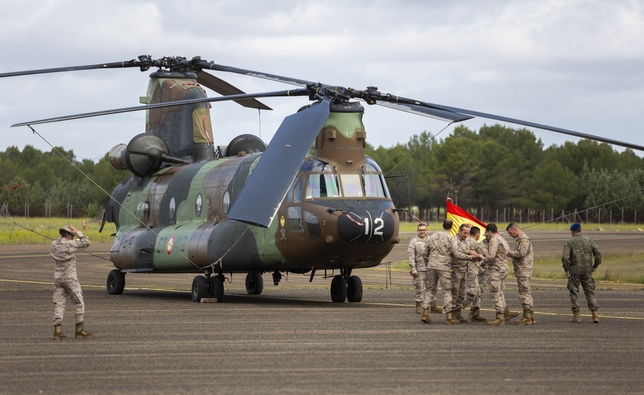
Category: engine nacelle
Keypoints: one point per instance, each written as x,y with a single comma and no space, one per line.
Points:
143,155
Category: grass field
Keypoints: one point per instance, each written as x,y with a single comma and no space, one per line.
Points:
20,230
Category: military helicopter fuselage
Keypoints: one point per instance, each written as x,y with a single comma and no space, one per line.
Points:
337,214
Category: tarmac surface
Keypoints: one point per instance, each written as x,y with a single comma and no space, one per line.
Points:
292,339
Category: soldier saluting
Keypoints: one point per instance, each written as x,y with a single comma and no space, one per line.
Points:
63,250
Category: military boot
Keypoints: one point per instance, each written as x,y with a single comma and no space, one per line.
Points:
595,317
532,317
457,315
435,309
475,315
58,332
419,307
575,317
425,316
527,318
80,332
449,319
509,314
499,321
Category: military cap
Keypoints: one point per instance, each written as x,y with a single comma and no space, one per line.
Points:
575,227
65,229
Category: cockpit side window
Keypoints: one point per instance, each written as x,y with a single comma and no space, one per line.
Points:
373,186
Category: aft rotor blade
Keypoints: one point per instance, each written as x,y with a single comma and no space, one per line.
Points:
112,65
268,183
224,88
258,74
442,115
294,92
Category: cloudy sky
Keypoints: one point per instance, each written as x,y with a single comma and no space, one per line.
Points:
569,63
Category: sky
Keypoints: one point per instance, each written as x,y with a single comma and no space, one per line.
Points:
574,64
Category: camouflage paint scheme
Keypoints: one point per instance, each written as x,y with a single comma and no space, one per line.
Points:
174,220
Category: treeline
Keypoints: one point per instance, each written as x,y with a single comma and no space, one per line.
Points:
50,183
506,169
496,168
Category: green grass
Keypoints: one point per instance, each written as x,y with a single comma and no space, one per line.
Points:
20,230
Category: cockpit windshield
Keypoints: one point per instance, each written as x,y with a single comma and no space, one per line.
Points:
327,184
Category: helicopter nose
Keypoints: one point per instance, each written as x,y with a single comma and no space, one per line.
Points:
365,226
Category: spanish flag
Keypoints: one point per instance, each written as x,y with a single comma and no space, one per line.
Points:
459,216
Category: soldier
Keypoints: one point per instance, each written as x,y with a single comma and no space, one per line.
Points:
522,260
63,250
462,258
418,264
577,259
475,275
439,249
496,263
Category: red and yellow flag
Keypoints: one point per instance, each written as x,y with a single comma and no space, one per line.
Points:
459,216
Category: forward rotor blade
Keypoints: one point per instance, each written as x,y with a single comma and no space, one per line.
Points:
540,126
268,183
294,92
224,88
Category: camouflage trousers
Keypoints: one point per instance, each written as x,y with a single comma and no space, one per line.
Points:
62,289
419,286
459,287
588,285
432,278
496,282
525,295
475,281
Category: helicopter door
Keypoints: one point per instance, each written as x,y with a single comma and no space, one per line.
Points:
293,226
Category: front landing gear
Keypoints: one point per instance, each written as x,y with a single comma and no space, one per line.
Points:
346,287
115,282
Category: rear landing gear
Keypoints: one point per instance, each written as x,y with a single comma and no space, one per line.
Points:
211,287
254,283
115,282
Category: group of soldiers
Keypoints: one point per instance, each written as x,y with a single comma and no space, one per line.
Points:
463,266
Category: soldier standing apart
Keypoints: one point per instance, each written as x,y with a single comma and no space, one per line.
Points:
497,271
418,264
439,249
522,259
63,250
577,259
463,257
474,276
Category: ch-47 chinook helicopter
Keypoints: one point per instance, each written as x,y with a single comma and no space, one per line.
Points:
310,201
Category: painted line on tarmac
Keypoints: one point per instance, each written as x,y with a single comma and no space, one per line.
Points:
618,317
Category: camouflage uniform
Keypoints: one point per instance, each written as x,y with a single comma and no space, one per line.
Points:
475,275
65,280
439,247
577,259
497,270
460,262
416,253
522,260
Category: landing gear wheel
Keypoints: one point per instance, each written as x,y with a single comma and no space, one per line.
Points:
115,282
354,289
217,287
199,288
254,283
338,289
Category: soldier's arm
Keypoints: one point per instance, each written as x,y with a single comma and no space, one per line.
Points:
491,253
597,255
523,248
565,257
83,241
457,253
